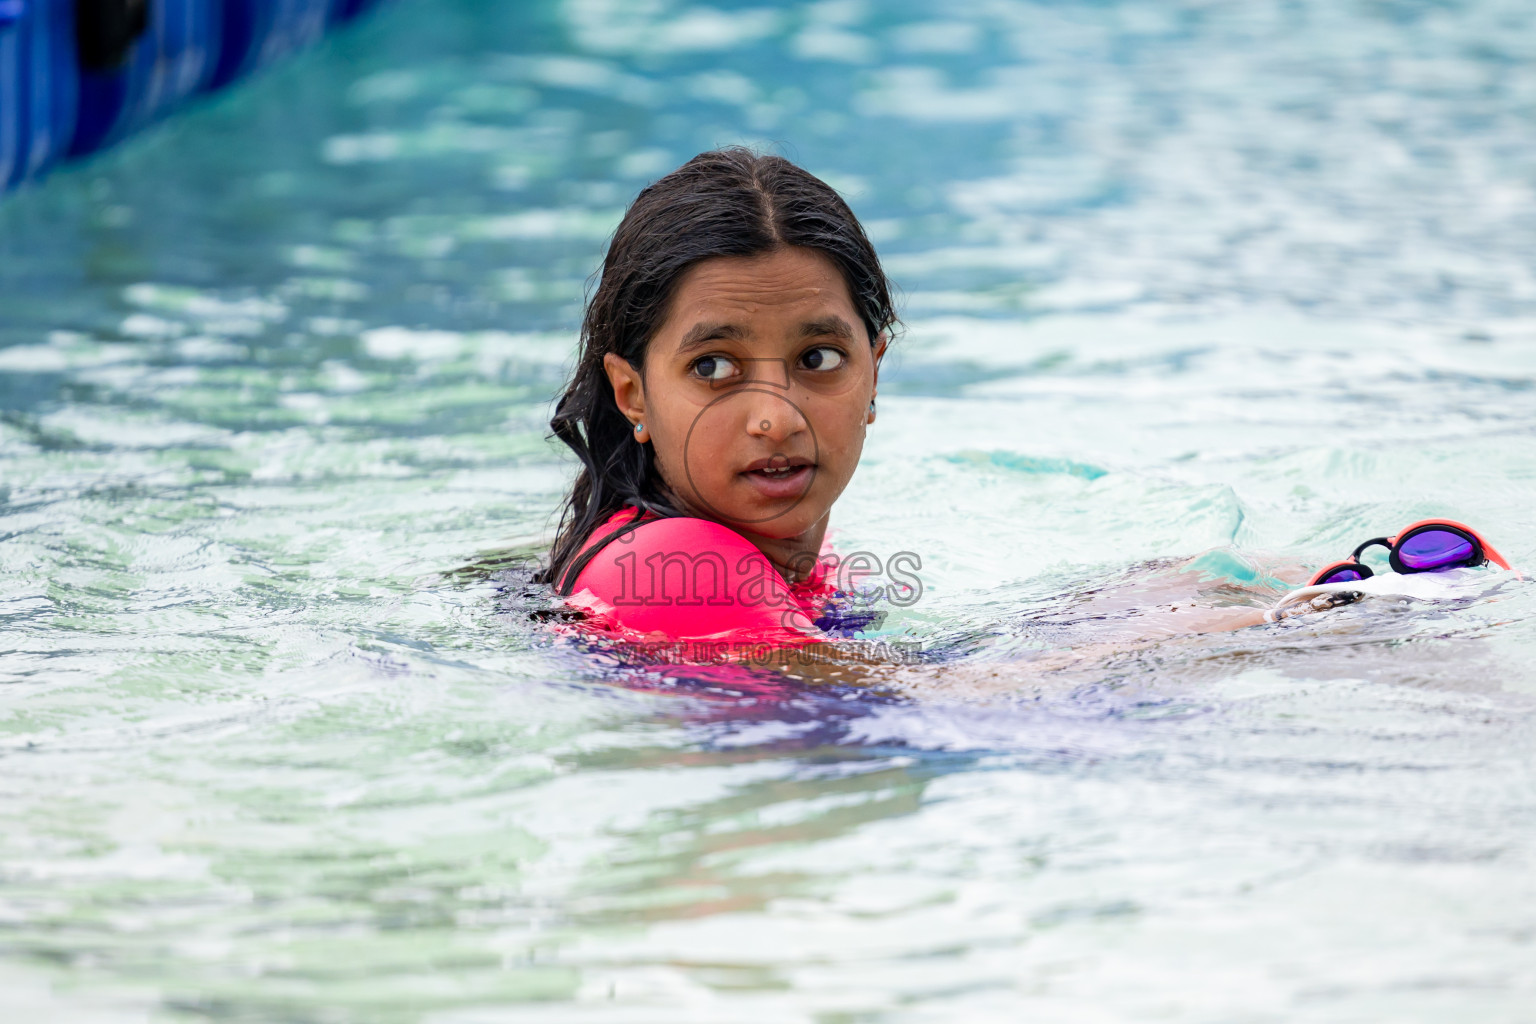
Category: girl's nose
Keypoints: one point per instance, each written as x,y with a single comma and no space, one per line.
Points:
774,416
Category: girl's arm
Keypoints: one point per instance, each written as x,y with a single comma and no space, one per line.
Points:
1123,618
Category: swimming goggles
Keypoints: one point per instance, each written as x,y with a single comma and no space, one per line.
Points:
1426,546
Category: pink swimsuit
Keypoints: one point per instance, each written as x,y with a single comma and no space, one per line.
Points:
688,579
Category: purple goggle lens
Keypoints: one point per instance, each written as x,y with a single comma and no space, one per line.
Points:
1345,575
1435,549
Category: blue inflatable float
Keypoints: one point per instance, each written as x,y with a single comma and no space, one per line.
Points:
77,75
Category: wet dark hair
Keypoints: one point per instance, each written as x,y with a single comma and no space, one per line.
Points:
727,202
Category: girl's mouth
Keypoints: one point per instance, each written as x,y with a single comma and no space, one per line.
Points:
780,477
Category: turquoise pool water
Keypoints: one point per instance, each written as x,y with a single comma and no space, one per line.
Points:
1199,285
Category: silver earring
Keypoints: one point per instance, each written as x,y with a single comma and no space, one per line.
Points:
639,427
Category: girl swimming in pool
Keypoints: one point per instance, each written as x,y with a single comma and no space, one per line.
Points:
728,372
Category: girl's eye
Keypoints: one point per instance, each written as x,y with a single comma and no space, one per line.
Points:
823,357
714,367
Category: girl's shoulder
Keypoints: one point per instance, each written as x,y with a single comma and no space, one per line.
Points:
662,532
682,577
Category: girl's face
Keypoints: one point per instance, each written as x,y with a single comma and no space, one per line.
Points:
756,391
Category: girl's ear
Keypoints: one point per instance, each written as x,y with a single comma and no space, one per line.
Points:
628,390
880,344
